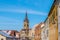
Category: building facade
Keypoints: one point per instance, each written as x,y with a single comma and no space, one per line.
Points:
42,32
4,36
58,9
53,22
46,29
38,32
32,34
26,25
11,33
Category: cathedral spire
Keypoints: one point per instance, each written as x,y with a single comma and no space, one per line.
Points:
26,17
26,21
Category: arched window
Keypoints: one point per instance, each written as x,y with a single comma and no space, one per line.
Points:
27,25
2,39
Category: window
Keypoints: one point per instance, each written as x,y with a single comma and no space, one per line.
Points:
43,31
53,16
27,25
49,20
2,39
32,34
47,33
14,34
59,6
56,14
24,25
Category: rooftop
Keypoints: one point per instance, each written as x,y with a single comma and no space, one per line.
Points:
4,34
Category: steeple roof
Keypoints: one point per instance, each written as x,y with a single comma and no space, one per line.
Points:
26,17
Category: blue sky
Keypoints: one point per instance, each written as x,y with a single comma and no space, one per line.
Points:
12,13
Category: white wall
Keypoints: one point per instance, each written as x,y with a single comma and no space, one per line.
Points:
59,36
58,18
42,34
58,15
47,29
2,37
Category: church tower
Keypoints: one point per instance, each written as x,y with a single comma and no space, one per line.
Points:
24,33
26,22
26,25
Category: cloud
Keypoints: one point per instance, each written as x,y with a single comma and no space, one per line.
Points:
23,11
9,23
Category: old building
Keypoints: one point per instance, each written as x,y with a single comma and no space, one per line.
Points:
26,25
32,33
58,10
43,32
12,33
4,36
46,29
53,22
38,32
25,31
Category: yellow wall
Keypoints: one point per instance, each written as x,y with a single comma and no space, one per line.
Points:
53,25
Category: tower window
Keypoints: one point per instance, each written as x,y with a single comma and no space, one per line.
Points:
27,25
24,25
2,39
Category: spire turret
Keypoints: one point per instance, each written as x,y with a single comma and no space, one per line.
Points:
26,17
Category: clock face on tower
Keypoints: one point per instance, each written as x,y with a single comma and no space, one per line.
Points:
26,25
